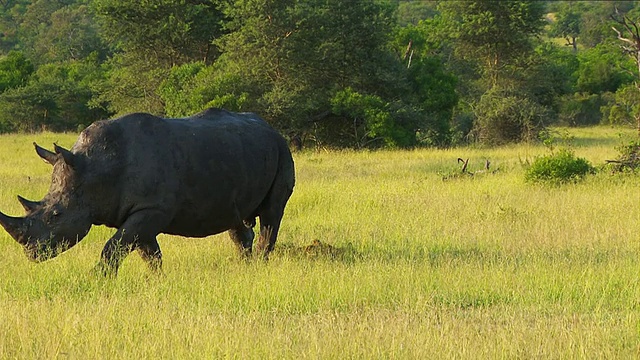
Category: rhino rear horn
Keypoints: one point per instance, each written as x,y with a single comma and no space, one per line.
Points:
68,156
28,205
46,155
13,225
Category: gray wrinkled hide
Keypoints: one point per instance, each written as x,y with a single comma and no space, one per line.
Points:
144,175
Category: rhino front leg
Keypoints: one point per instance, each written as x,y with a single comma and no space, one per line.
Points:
114,251
138,233
150,252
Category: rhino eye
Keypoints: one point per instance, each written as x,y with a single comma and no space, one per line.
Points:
56,212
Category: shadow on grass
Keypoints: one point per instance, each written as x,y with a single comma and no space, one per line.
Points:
319,250
448,255
434,256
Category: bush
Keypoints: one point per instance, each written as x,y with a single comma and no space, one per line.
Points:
629,159
557,168
581,109
503,118
371,120
621,108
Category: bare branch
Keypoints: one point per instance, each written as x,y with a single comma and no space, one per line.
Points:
620,37
465,162
626,25
633,47
406,53
626,21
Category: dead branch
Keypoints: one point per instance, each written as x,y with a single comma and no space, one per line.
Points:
464,167
406,53
622,38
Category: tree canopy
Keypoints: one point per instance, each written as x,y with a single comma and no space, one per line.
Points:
367,73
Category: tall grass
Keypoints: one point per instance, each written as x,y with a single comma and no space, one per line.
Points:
422,265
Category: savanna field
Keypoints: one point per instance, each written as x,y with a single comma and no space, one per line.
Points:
387,254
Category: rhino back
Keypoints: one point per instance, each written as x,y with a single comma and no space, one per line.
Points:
206,173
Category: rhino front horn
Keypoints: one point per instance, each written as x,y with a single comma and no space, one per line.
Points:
13,225
28,205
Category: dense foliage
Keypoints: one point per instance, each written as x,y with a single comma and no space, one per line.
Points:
369,73
559,167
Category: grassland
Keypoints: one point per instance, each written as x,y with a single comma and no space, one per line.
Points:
470,267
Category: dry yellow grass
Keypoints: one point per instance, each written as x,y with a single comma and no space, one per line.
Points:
470,267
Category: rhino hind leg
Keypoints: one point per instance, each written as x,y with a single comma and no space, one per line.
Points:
271,211
269,227
242,236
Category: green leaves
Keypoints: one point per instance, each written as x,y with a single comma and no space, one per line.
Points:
370,115
15,69
169,32
557,168
494,31
504,117
56,97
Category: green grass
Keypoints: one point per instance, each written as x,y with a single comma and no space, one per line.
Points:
422,266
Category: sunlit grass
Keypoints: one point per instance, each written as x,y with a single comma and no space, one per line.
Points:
424,266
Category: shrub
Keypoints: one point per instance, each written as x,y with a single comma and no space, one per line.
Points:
622,108
629,159
370,120
502,118
581,109
560,167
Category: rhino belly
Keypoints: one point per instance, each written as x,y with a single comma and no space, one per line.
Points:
206,216
200,226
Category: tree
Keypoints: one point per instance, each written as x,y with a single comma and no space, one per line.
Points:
292,58
150,38
176,90
372,120
549,75
131,85
602,69
568,23
629,35
431,86
15,69
497,33
167,31
11,11
412,12
496,39
56,97
56,31
596,21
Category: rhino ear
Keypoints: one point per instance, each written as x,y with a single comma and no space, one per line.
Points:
46,155
68,156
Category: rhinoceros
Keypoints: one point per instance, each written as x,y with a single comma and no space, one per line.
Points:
144,175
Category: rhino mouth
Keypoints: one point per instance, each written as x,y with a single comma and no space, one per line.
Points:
44,250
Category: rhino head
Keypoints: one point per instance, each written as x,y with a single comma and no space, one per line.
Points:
59,221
